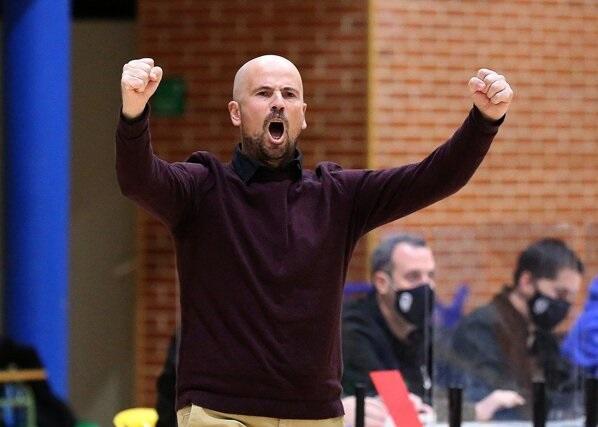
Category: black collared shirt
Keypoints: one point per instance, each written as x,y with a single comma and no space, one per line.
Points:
248,168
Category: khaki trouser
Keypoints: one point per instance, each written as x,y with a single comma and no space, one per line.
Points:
196,416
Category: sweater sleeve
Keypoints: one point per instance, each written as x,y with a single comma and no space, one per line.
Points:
385,195
166,190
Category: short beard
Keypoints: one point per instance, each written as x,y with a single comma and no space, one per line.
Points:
255,146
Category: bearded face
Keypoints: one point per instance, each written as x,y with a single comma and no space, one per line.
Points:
269,109
272,146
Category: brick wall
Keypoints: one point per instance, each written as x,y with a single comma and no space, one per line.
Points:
538,180
540,176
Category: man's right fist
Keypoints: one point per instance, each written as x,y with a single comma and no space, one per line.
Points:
139,81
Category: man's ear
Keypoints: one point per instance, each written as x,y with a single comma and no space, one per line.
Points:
304,124
235,113
382,283
526,284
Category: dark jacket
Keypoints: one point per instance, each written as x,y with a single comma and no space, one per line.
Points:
495,348
369,345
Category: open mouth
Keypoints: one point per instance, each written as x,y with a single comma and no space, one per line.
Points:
276,130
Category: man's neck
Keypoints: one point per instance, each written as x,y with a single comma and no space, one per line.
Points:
519,302
253,157
274,164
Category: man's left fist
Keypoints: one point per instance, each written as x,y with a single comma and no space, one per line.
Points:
491,93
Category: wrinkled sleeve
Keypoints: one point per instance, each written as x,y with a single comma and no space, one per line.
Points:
385,195
166,190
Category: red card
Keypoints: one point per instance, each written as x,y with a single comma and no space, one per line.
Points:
393,391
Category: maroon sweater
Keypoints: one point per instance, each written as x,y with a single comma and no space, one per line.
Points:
262,257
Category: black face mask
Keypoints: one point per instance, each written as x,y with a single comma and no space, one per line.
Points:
547,312
416,305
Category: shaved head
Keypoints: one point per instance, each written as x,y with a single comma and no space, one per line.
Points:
268,108
257,65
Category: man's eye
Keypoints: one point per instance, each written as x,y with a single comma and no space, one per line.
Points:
290,95
412,276
263,93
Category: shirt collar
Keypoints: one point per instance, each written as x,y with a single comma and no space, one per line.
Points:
248,168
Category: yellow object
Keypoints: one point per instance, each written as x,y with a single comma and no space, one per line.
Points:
136,417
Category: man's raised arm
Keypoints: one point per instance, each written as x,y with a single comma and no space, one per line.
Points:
165,190
388,194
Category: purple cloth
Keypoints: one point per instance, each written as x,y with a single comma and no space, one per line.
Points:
262,262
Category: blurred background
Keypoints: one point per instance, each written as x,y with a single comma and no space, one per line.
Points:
385,82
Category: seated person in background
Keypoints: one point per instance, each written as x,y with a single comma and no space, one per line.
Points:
389,327
504,346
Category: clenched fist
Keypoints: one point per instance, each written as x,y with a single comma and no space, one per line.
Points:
139,81
491,93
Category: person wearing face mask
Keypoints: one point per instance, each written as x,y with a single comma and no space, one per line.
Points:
504,346
391,327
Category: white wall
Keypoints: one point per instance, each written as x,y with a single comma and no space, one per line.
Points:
102,228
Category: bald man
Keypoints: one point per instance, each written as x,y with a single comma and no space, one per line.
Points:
263,244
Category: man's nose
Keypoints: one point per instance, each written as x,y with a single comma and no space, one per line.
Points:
277,102
428,278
